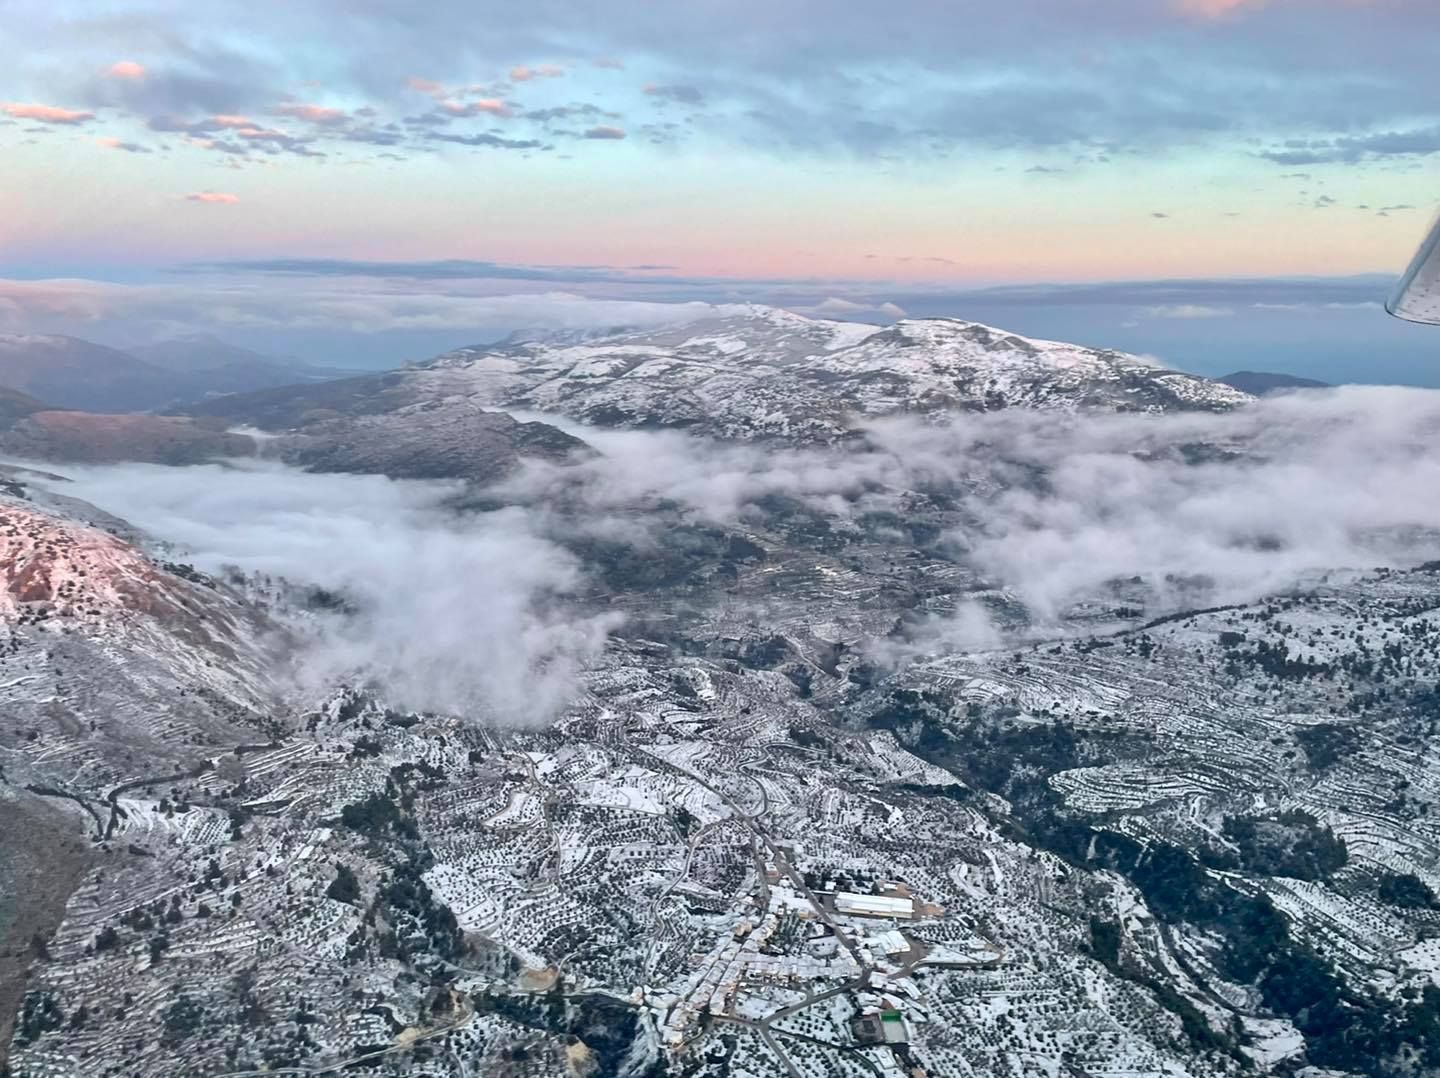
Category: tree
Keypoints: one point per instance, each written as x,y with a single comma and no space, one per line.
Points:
1406,890
182,1018
344,887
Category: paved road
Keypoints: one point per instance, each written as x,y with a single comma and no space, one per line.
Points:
762,1026
660,899
774,1046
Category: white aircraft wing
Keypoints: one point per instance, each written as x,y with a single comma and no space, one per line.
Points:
1417,297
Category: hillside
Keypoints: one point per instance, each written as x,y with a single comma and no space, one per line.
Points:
759,372
15,406
72,373
122,666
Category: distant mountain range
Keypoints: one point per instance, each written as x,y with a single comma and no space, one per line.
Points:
761,372
70,372
1260,383
750,373
758,372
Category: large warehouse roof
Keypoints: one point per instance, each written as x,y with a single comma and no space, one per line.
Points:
874,905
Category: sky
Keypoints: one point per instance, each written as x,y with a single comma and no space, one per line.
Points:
1220,183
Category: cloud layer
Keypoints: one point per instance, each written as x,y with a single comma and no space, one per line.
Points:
484,615
80,306
1199,509
460,615
1336,77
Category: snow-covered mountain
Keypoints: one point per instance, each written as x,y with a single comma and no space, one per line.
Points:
115,667
752,372
767,372
89,618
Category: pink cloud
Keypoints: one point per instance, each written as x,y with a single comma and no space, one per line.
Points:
491,105
45,114
217,197
262,134
1214,9
112,143
232,121
315,114
424,86
126,69
524,73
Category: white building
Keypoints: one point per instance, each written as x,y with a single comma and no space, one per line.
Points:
874,905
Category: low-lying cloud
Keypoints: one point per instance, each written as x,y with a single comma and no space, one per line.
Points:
492,616
1319,481
74,305
463,615
1196,508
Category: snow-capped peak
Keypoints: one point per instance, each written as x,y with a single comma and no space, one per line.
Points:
749,370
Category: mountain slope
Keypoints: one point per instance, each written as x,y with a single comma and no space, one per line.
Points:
66,579
203,353
761,372
348,425
33,430
102,438
227,368
114,666
293,407
15,406
766,372
72,373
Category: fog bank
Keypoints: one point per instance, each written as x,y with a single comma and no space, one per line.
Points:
462,615
481,613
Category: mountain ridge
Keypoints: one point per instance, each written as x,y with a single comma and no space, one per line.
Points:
760,373
74,373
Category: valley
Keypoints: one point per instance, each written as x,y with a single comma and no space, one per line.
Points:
876,702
